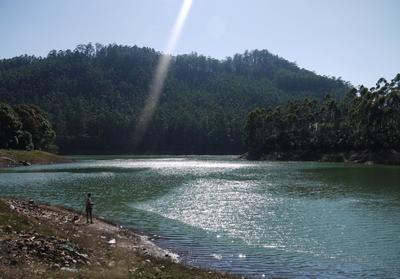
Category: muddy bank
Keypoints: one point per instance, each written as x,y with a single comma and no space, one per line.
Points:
38,239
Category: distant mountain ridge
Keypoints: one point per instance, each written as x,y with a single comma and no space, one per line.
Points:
95,94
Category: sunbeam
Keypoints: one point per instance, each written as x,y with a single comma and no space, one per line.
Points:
161,73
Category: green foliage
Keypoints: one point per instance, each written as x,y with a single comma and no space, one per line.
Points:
95,94
366,119
24,127
36,126
10,126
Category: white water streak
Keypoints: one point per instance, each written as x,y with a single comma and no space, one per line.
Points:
161,72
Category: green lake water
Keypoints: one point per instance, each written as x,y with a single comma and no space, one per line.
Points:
259,219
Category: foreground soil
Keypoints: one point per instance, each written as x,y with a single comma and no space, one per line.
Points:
43,241
12,158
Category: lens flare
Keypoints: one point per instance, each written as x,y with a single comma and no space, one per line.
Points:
160,75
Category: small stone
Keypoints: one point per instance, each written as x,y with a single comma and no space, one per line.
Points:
132,270
68,269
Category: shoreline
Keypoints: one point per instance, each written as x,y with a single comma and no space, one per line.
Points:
56,240
10,158
381,157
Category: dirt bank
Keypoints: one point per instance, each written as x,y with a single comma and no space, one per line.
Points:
44,241
12,158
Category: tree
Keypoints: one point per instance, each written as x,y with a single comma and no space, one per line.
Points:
35,122
366,119
10,127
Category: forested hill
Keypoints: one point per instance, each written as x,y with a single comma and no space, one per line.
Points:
362,127
95,94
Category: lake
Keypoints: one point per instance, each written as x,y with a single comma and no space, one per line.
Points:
258,219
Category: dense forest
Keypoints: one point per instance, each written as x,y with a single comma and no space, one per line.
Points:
25,127
365,120
94,96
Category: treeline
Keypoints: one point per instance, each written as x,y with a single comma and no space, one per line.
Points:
95,94
24,127
366,119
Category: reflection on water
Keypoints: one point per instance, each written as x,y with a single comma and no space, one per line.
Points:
251,218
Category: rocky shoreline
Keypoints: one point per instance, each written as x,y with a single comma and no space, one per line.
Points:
56,242
384,157
15,158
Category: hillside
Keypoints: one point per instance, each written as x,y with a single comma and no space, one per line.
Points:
94,96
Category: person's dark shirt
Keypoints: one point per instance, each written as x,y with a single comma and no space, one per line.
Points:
89,203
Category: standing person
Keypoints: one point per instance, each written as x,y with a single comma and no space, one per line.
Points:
89,208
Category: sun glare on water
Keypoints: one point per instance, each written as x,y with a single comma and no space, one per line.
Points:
161,72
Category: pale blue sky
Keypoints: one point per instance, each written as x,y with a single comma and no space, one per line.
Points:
356,39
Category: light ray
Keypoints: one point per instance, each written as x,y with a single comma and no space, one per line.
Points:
157,83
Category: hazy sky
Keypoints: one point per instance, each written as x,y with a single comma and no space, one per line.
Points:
356,39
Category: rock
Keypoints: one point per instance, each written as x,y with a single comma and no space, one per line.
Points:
10,162
112,241
111,264
133,269
68,269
